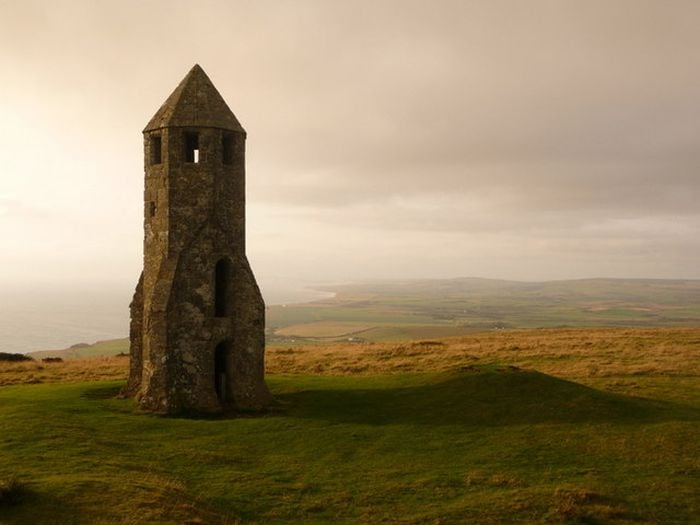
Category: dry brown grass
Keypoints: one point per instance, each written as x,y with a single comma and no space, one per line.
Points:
584,506
564,352
572,353
72,371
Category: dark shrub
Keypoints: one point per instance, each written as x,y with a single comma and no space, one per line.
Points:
14,357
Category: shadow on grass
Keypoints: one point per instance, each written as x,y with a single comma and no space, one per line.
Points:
38,508
107,392
484,398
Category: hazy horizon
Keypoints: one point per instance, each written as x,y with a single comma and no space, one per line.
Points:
538,141
56,316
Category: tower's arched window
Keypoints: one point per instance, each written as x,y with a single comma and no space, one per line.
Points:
192,147
222,277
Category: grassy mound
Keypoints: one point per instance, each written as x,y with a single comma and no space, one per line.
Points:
473,445
478,396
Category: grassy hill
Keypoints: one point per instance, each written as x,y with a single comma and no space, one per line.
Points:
82,350
533,426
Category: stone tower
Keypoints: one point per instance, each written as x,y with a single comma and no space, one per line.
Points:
197,317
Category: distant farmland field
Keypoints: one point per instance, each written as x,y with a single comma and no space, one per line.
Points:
387,310
396,310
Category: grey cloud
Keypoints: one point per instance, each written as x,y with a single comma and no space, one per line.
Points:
556,127
580,105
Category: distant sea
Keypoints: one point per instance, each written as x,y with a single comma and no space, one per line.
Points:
52,318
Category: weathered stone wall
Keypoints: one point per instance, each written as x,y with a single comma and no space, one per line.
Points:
133,383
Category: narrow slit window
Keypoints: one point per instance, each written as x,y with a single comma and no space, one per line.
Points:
221,288
156,150
192,148
152,209
227,148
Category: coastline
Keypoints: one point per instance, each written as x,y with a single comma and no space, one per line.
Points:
62,319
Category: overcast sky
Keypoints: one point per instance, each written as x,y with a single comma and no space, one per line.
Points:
507,139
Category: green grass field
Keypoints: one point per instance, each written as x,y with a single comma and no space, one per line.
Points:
487,444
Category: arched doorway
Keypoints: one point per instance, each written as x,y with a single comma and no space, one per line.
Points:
221,358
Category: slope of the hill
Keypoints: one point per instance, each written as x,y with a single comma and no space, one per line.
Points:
589,426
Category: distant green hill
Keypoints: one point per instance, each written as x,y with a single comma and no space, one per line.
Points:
80,350
380,310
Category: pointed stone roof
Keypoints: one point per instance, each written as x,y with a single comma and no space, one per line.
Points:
195,102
